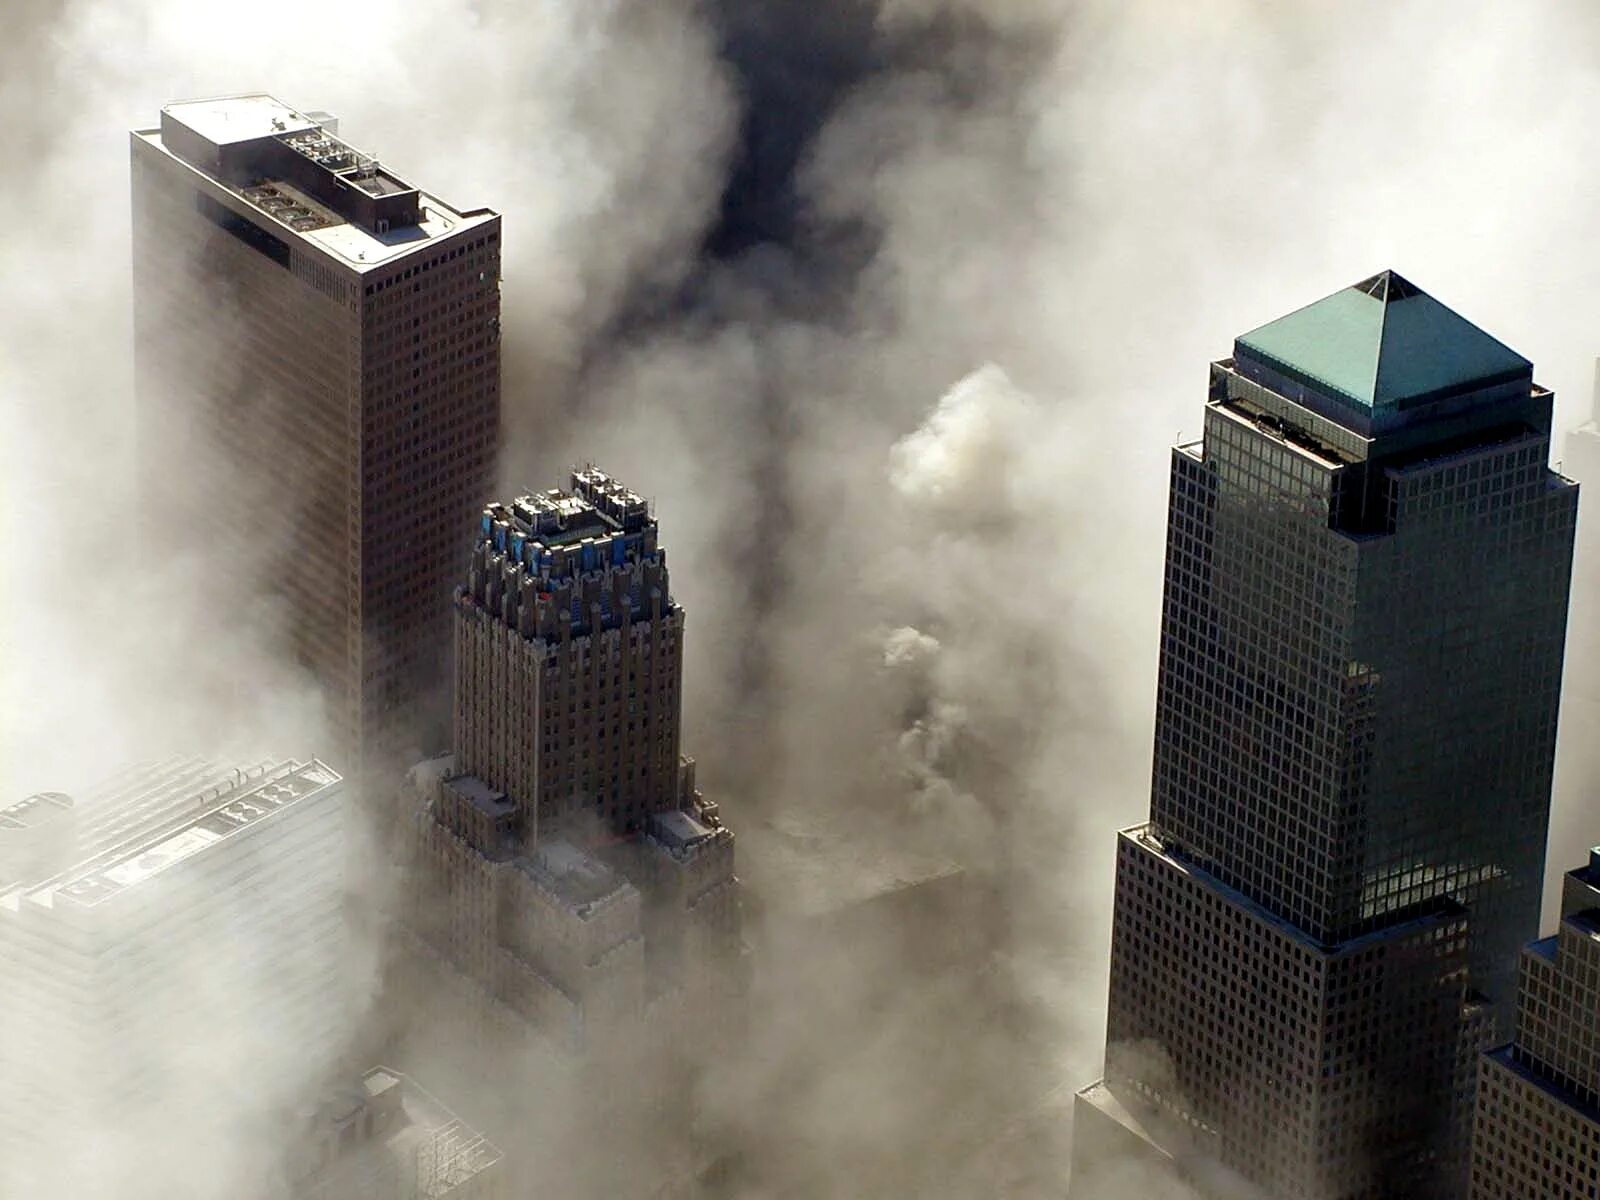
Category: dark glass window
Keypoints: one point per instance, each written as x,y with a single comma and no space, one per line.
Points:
250,234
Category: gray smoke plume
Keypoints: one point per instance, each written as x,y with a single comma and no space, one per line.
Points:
937,622
759,256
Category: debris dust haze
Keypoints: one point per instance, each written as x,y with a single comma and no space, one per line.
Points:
899,364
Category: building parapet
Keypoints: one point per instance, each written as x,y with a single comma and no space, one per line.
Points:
557,564
253,142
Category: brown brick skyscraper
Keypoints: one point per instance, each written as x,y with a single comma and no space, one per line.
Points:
568,865
320,339
578,714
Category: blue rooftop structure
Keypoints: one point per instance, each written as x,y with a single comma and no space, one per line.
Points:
1377,349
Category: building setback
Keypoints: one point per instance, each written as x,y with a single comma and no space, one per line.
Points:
188,925
388,1139
1367,571
578,872
1537,1132
318,376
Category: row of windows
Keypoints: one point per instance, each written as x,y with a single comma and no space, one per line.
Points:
1528,1144
1556,1004
1255,731
454,253
450,321
1222,993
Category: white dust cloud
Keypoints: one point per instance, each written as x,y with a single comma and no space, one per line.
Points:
1096,198
928,620
598,129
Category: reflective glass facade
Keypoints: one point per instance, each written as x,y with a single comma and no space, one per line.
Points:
1361,646
1361,665
1537,1128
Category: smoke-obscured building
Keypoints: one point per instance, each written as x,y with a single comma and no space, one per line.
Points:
578,874
1537,1132
318,376
1367,574
1580,449
1580,460
159,937
388,1139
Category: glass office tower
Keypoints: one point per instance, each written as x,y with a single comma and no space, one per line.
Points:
1537,1128
1367,575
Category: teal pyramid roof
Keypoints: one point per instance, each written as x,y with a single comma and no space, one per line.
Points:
1380,343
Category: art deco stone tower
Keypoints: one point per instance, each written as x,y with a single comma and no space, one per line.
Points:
317,346
569,659
1368,563
576,873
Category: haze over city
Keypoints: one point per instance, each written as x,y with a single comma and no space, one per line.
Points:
893,312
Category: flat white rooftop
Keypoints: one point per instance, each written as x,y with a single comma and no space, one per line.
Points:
232,121
355,245
229,119
100,879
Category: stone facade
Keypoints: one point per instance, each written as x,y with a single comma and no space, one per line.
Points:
568,863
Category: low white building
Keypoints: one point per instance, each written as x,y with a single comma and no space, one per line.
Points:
161,940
